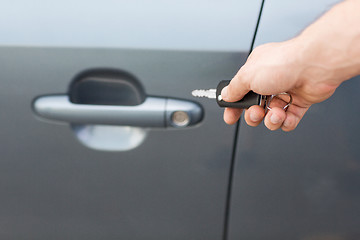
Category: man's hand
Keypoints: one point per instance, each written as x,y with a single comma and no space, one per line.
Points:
309,67
271,69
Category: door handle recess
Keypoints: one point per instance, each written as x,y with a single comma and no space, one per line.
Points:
154,112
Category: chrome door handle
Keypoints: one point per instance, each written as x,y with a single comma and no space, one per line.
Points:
154,112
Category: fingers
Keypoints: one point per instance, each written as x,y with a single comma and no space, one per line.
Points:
290,122
232,115
236,89
277,117
254,115
293,117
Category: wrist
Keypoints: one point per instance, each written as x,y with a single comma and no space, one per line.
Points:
320,57
331,45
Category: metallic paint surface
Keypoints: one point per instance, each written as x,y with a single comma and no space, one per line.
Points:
137,24
173,186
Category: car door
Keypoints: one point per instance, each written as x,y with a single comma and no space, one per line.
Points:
303,184
83,161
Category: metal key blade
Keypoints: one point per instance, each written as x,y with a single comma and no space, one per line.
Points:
210,93
247,101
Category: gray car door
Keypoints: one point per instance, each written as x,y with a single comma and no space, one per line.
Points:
304,184
76,174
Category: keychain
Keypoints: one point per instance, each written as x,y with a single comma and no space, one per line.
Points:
247,101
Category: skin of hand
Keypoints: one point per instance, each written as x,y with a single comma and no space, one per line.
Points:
309,67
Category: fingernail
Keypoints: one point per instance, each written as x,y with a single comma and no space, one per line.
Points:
254,117
274,119
224,92
286,124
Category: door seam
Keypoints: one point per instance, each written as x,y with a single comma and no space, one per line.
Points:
233,152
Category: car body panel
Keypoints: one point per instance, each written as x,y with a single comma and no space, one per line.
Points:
52,185
303,184
174,184
226,25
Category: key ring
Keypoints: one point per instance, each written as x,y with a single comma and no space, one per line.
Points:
270,98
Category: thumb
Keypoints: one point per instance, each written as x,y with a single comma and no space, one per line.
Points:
236,89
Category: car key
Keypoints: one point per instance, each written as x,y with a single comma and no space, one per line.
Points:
247,101
250,99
